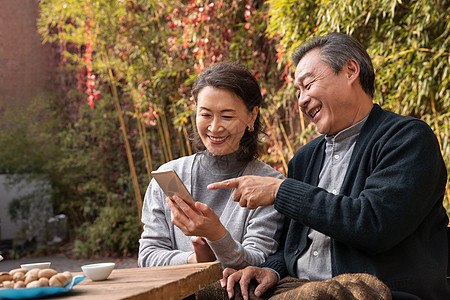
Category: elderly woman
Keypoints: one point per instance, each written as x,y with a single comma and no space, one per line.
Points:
227,99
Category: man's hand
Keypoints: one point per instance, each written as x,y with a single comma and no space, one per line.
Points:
251,191
198,219
265,277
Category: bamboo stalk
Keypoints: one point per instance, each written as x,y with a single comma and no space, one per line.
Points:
433,109
186,137
147,146
302,124
137,191
144,148
277,145
180,137
291,152
165,157
194,124
283,160
166,135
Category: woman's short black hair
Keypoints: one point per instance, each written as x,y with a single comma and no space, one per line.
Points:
237,79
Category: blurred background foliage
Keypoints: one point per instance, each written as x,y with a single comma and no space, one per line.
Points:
123,104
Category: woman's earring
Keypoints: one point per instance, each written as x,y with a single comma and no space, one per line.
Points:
250,129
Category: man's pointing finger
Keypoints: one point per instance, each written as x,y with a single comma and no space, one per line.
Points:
226,184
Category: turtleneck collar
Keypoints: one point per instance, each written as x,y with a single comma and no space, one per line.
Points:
221,164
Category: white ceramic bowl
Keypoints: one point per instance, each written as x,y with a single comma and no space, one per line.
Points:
42,265
98,271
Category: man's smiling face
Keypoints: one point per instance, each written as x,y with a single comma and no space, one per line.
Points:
325,97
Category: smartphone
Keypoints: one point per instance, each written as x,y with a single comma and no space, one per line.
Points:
171,184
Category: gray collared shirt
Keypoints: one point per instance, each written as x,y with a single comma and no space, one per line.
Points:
315,262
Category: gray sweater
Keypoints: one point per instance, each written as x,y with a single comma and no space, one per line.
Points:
251,234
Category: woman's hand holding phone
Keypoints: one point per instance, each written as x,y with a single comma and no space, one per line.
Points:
196,219
193,218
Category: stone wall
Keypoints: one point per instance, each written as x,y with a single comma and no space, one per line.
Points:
25,64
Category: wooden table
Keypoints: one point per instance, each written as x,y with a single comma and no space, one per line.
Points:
171,282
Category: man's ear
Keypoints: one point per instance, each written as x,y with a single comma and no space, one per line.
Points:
352,70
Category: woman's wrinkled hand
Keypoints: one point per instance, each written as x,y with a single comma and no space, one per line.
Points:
202,251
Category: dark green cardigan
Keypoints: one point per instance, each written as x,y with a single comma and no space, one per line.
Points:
388,219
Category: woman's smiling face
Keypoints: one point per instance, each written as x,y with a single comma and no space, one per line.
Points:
222,119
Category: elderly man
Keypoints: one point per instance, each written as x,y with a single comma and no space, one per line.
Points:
365,197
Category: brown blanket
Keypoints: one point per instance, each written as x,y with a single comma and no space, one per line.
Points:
345,286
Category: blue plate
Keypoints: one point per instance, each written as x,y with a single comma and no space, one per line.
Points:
39,292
